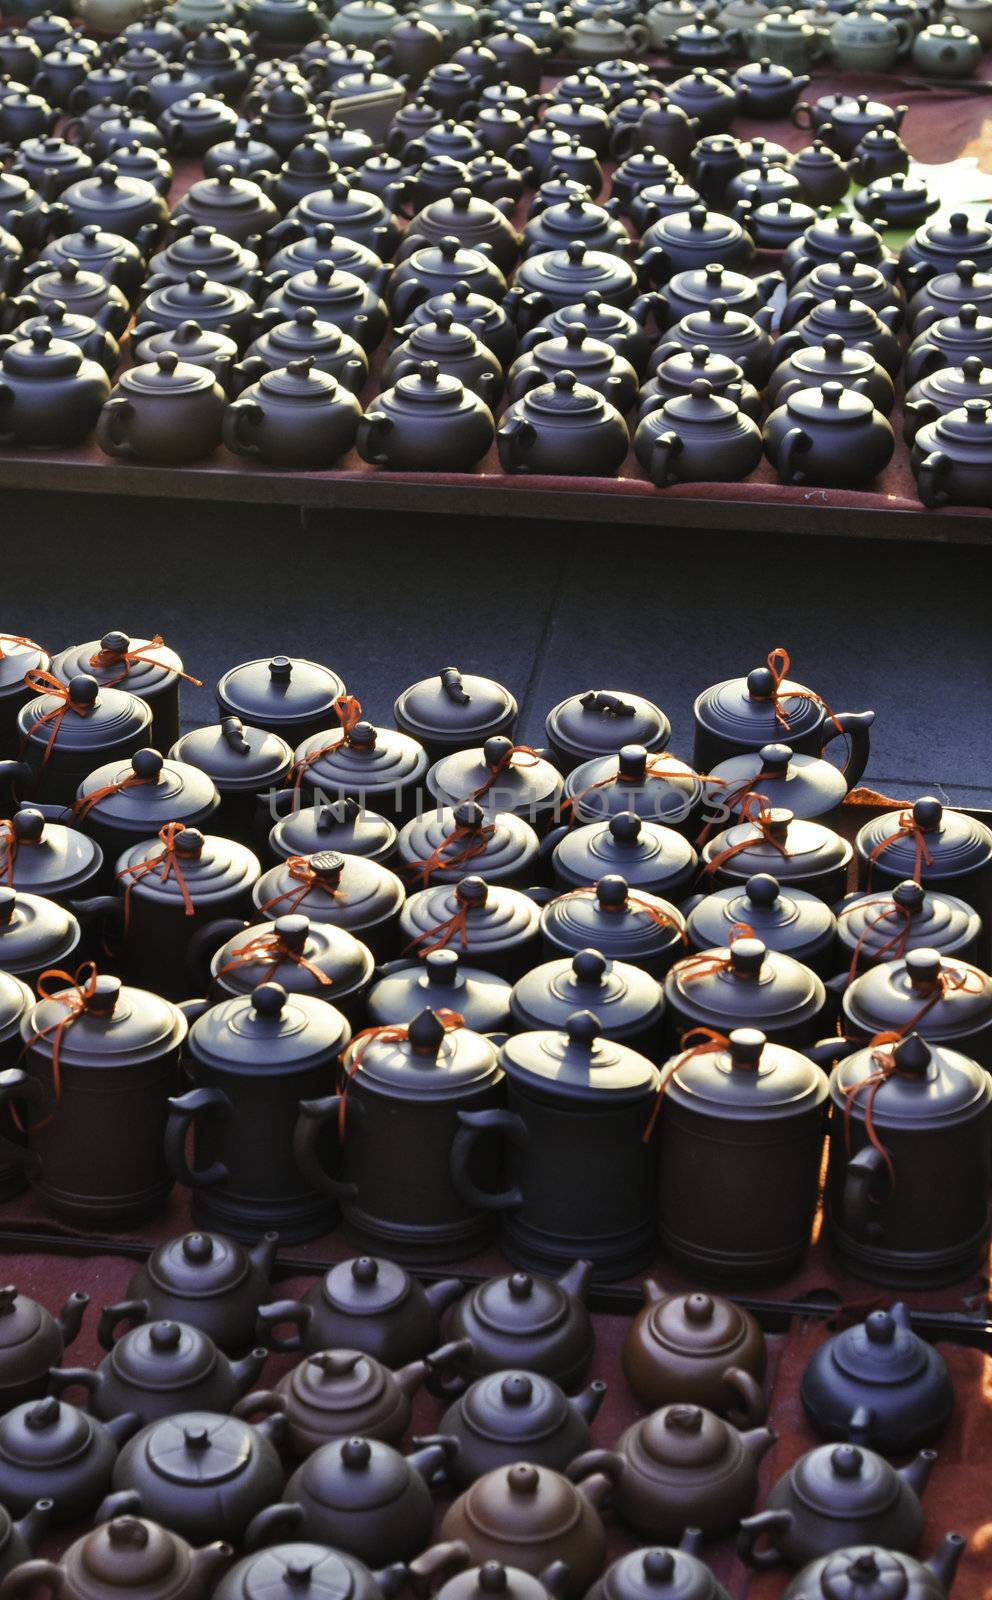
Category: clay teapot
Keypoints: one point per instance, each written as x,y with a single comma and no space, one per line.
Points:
19,1539
593,362
678,371
741,715
946,293
828,1498
284,1569
627,1001
337,1394
157,1368
48,858
35,934
427,422
107,255
457,352
681,1467
501,777
126,1556
376,766
528,1516
699,1349
298,417
341,825
699,437
453,710
450,1566
48,1447
956,998
200,1472
242,762
287,695
955,853
599,721
361,1496
793,921
360,895
204,248
305,335
660,1574
878,1384
625,924
168,411
656,785
806,785
50,391
126,803
535,1323
201,1279
512,1416
810,366
482,316
364,1304
436,847
69,287
32,1342
860,1570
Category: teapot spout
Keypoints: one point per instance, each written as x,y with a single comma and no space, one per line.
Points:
409,1378
589,1401
576,1280
900,1315
70,1318
34,1523
207,1565
691,1541
245,1371
263,1254
944,1561
444,1293
556,1579
652,1291
390,1580
433,1454
758,1441
918,1471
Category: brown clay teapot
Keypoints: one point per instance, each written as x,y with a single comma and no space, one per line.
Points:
627,1000
127,1558
364,1304
681,1467
531,1322
700,1349
50,392
662,1573
441,982
427,422
506,1417
202,1279
771,839
157,1368
792,921
528,1516
650,858
167,411
32,1341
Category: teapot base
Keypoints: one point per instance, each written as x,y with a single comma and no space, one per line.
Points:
899,1269
416,1245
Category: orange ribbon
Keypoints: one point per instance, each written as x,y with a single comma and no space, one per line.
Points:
9,846
348,710
504,764
439,859
709,1040
44,683
894,947
694,967
654,767
270,947
730,799
756,811
387,1033
167,863
81,808
444,931
908,828
302,872
77,990
634,903
779,662
105,659
19,638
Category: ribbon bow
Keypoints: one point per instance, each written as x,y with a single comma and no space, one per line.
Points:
348,710
893,947
709,1040
886,1067
455,926
44,683
477,839
272,948
729,800
104,660
907,828
506,761
301,870
74,992
695,967
387,1033
18,638
756,811
9,846
778,662
166,863
81,808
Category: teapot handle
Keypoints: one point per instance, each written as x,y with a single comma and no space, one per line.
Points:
109,436
932,468
859,1177
440,1561
774,1523
312,1118
637,37
185,1109
473,1125
240,416
21,1581
798,113
132,1311
62,1378
260,1403
373,424
665,448
206,942
752,1407
517,435
278,1311
16,1085
280,1521
855,727
796,442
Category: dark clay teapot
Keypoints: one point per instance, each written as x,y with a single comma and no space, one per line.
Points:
626,333
321,1574
563,428
379,767
529,1516
204,248
881,926
599,721
355,893
200,1472
934,397
455,349
50,391
158,1368
769,839
593,362
32,1342
878,1384
696,1348
169,411
125,803
48,858
243,763
359,1495
201,1279
675,375
656,785
830,1497
287,695
450,1566
681,1467
49,1448
729,333
793,921
126,1557
860,1570
305,335
427,422
106,254
454,710
947,1000
443,983
699,437
436,847
513,1416
338,1394
536,1323
482,316
365,1304
297,417
830,237
17,1542
806,785
75,289
945,294
661,1573
938,247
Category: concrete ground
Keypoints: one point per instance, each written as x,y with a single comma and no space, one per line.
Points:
548,609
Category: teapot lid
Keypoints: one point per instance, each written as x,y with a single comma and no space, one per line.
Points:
430,1061
576,1063
753,1079
366,1286
453,704
107,715
969,424
495,777
642,852
490,1579
956,843
748,710
33,928
18,656
198,1266
791,920
622,922
115,1025
332,1381
842,230
491,914
352,1475
334,951
159,1356
51,859
698,227
957,235
349,891
21,1318
236,756
683,1438
698,1324
167,791
932,1087
883,1349
297,1568
565,396
754,982
44,1433
950,387
662,1573
843,1480
598,721
511,1406
830,405
867,1572
129,1553
521,1305
282,689
624,998
807,785
908,916
890,995
197,1448
341,825
779,843
269,1030
367,757
41,355
499,844
654,784
167,374
535,1502
441,982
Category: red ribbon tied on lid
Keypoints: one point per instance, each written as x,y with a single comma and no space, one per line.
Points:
44,683
73,994
167,864
306,879
386,1033
907,828
708,1040
105,660
755,811
348,710
518,755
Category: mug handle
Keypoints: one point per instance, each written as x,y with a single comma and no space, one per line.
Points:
185,1109
311,1120
109,436
17,1085
374,424
473,1125
752,1407
859,1177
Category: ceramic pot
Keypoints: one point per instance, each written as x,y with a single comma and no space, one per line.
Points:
305,958
718,988
861,1565
64,864
126,1555
792,921
879,927
33,1341
646,855
364,1304
440,982
359,895
699,1349
35,934
166,412
436,847
50,1450
946,50
158,1368
528,1516
804,855
201,1279
341,825
532,1322
286,695
329,1571
647,1574
940,848
428,422
608,916
244,764
699,437
50,391
296,417
513,1416
495,926
378,766
121,804
500,777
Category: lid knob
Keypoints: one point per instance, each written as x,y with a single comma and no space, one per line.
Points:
589,967
492,1577
612,892
328,865
83,689
8,1300
760,683
523,1479
293,931
625,827
472,891
298,1573
864,1568
912,1055
147,764
632,762
779,819
846,1461
363,735
698,1309
922,968
29,825
910,895
747,957
469,814
775,757
659,1566
115,641
43,1415
442,967
880,1327
280,669
106,992
927,812
582,1028
762,890
517,1389
165,1336
268,999
426,1033
8,903
746,1045
127,1533
520,1285
356,1454
196,1437
684,1419
365,1270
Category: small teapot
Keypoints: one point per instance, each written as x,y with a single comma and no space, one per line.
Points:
201,1279
529,1516
32,1341
324,1574
945,294
126,1557
564,428
50,392
831,436
952,459
168,411
450,1565
513,1416
48,1447
660,1574
862,1570
939,246
296,417
536,1323
810,366
699,437
157,1368
365,1304
878,1384
836,1494
427,422
66,864
946,50
718,989
602,37
696,1348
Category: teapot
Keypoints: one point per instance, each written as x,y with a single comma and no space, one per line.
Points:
830,435
243,763
856,322
286,695
482,316
647,855
324,244
866,284
958,996
949,456
947,342
718,989
563,428
699,437
376,766
768,88
938,246
455,349
879,154
878,927
945,295
946,50
19,1539
476,222
157,1368
123,805
501,777
256,1061
682,1466
453,710
797,923
35,934
50,391
440,982
658,1573
67,288
807,785
50,164
823,174
839,234
60,750
341,825
804,855
48,858
360,895
32,1341
107,199
361,1496
624,332
236,206
427,422
219,306
901,201
878,1384
635,926
727,333
496,927
201,1279
200,1472
595,364
527,1516
512,1416
699,1349
364,1304
597,721
336,1394
117,261
830,1495
539,1324
656,785
47,1445
200,347
708,98
168,411
810,366
678,371
434,268
414,1088
860,1569
296,417
304,335
556,225
563,277
741,715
